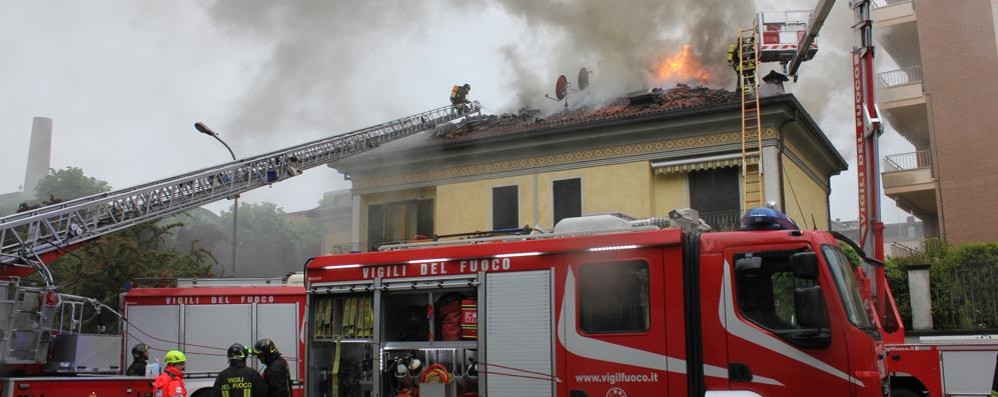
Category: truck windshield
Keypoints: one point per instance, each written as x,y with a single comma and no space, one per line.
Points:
845,281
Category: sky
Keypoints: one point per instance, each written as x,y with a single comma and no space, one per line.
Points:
124,81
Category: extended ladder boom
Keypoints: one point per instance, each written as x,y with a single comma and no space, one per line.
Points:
26,236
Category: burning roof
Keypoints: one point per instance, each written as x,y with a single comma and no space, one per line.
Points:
655,101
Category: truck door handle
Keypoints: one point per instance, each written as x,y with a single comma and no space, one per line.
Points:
739,372
577,393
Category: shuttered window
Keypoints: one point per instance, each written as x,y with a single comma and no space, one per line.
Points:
567,199
505,207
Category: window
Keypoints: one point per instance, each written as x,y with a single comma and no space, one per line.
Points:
845,282
399,221
613,297
766,290
567,199
714,193
505,207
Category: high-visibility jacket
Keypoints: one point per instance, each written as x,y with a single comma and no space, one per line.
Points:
170,383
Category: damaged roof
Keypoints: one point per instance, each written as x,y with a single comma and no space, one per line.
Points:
646,103
528,133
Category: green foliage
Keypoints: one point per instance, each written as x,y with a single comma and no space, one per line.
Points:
271,244
102,268
67,184
961,281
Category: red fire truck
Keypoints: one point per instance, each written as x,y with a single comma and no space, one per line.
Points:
602,306
203,317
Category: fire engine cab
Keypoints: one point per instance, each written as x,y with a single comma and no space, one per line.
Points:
602,306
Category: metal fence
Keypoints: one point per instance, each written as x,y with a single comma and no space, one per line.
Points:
899,77
908,161
965,297
722,220
347,248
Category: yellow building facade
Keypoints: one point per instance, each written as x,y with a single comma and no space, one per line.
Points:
428,185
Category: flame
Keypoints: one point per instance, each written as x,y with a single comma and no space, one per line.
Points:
682,66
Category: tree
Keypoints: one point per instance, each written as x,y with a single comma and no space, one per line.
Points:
67,184
270,244
962,284
102,268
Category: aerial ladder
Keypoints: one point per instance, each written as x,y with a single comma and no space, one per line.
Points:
29,240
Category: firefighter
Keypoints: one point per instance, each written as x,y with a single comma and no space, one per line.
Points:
170,383
276,375
239,380
140,353
459,97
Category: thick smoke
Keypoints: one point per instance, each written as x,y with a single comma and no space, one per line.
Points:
621,42
318,49
323,55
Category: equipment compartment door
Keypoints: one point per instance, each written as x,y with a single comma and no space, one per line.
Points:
209,330
518,334
612,323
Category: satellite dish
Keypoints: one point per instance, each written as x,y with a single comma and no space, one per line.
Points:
561,88
583,78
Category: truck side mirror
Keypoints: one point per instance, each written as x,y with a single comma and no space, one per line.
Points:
812,317
805,265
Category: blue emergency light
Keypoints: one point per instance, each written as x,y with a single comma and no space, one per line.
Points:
767,219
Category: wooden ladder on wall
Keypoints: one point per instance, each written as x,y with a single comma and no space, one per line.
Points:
748,74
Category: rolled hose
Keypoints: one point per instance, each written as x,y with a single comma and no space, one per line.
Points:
435,373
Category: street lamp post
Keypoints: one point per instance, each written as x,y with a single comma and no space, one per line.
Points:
201,127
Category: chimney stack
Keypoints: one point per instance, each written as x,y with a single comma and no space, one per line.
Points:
39,154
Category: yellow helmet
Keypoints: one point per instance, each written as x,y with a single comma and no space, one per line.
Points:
174,357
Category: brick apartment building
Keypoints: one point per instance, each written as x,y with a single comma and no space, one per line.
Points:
943,98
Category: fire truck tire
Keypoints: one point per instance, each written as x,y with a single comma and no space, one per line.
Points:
900,392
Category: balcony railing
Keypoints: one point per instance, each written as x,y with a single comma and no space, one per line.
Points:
885,3
899,77
908,161
722,220
346,248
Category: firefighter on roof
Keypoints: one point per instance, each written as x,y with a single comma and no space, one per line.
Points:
276,375
170,383
238,380
140,353
459,96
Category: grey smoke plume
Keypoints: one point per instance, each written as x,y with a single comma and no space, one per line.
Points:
622,42
317,50
320,54
317,47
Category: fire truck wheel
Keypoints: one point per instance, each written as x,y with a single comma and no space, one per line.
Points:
899,392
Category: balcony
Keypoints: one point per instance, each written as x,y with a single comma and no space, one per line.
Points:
896,29
722,220
902,103
908,180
